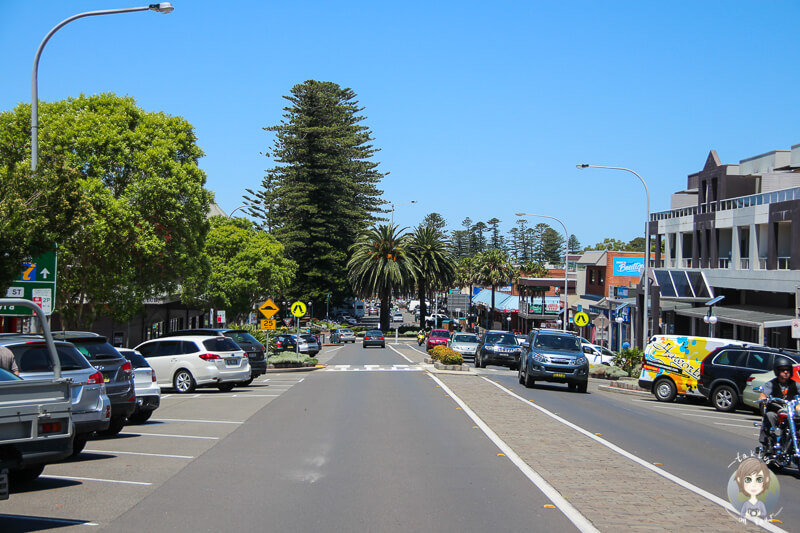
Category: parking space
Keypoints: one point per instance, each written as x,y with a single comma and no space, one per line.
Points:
114,474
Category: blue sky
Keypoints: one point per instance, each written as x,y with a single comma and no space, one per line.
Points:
480,109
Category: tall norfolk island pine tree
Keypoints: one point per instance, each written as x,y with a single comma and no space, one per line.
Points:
323,192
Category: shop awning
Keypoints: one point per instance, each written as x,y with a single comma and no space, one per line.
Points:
502,301
742,316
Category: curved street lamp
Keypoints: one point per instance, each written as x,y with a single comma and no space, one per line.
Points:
396,205
161,7
242,207
646,282
566,262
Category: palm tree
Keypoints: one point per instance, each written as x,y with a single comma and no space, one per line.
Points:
380,264
435,266
535,270
494,269
466,272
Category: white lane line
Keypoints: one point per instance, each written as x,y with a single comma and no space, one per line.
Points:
675,479
334,349
395,350
65,521
574,516
140,434
341,366
97,479
142,453
253,396
371,367
192,420
689,410
733,425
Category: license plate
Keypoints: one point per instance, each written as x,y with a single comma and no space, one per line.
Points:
106,379
231,362
559,375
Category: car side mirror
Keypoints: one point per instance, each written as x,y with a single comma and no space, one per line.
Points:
524,344
587,349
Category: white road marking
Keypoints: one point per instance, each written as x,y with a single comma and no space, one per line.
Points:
253,396
395,350
675,479
97,479
732,425
140,434
142,453
199,421
334,349
574,516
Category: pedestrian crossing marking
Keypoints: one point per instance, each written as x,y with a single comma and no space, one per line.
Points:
373,368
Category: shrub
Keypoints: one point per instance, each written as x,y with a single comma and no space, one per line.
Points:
607,372
628,359
451,357
437,352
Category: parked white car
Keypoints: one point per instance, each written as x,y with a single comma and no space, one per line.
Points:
183,363
148,393
598,355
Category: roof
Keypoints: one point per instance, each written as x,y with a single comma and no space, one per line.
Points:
742,316
502,301
597,258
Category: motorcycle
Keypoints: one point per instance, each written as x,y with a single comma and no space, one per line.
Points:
420,338
783,437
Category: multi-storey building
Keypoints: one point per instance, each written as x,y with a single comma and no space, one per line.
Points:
733,232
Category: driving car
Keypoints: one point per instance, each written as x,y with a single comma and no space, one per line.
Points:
466,344
117,374
598,355
374,337
554,356
725,372
343,335
91,408
148,393
437,337
498,348
254,349
184,363
288,342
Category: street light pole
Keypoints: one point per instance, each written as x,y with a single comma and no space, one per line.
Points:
566,262
241,207
646,281
162,7
396,205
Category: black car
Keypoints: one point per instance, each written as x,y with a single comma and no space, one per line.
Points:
117,373
498,348
724,373
554,356
255,350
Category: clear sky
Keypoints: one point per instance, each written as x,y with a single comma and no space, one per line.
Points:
480,109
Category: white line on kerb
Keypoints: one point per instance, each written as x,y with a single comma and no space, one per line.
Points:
140,434
558,500
675,479
97,479
395,350
142,453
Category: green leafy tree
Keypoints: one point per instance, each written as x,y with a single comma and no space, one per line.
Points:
467,225
553,246
140,226
610,244
435,221
479,231
574,244
434,265
459,243
538,251
381,264
532,269
495,239
323,192
247,266
494,269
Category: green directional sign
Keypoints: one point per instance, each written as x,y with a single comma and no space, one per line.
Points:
36,282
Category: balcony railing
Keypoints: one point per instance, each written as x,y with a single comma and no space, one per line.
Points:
724,262
744,263
784,262
783,195
762,263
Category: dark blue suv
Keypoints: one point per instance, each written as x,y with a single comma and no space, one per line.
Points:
554,356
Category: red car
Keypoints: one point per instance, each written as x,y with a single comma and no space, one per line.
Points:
437,337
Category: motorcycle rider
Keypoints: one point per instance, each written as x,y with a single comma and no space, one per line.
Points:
781,386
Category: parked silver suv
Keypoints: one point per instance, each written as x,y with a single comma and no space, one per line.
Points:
91,408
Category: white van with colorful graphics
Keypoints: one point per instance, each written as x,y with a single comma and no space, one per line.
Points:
671,364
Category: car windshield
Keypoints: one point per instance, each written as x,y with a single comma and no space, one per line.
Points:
500,338
346,331
308,338
96,348
242,337
375,333
221,344
558,342
440,333
33,357
465,337
136,359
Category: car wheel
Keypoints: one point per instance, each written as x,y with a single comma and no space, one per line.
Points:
519,375
583,387
26,475
114,427
664,390
141,417
79,443
724,398
183,382
226,387
528,381
246,382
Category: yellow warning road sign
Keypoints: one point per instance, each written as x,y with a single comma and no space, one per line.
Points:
267,324
298,309
268,309
581,319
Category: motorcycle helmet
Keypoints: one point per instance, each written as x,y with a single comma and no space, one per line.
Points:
781,361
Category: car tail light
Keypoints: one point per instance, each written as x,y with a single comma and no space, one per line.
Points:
279,344
380,339
96,379
49,427
208,356
127,368
750,380
108,411
154,374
